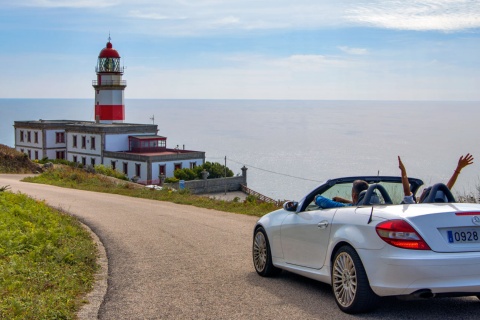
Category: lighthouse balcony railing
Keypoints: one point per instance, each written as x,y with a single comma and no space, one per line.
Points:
109,83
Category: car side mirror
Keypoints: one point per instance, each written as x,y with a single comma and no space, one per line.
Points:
290,206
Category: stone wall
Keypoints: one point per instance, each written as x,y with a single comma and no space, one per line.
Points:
214,185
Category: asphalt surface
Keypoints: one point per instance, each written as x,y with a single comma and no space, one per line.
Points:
168,261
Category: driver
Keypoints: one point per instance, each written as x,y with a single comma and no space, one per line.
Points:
357,187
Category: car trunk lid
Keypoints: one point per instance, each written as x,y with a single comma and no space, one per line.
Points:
452,227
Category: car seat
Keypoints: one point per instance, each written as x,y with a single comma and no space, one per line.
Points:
438,193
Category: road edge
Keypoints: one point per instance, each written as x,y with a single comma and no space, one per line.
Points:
94,298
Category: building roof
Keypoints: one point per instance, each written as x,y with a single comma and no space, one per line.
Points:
148,137
89,126
109,52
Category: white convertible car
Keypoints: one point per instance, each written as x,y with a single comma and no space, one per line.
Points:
377,247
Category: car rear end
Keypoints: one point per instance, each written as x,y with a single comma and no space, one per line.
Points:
430,249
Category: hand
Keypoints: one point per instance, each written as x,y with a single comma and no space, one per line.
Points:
401,166
464,161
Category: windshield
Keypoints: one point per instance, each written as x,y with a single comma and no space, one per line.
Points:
344,190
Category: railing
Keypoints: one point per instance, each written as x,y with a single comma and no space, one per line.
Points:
260,196
109,83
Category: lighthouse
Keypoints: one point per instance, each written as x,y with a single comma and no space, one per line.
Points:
109,86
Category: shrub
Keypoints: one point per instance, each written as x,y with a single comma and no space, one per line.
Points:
109,171
171,180
185,174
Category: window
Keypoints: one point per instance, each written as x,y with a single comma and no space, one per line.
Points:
75,159
114,164
178,166
84,161
21,135
74,141
84,142
92,161
92,144
60,137
125,168
193,164
161,169
137,169
29,136
60,154
29,154
36,155
35,137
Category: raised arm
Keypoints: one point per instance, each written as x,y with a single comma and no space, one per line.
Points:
462,163
405,183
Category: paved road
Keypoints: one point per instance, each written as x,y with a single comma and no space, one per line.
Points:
170,261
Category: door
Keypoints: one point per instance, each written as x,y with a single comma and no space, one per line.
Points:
305,236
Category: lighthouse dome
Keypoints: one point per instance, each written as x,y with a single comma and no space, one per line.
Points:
109,52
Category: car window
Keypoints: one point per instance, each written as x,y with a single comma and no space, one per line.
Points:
344,190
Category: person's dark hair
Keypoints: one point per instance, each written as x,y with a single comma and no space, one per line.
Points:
359,186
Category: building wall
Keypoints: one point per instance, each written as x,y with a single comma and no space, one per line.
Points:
93,143
42,143
25,143
109,97
170,167
144,168
78,157
131,167
51,139
116,142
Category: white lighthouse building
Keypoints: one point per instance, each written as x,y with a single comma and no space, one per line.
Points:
109,86
134,149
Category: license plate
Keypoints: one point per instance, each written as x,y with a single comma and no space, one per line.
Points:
463,235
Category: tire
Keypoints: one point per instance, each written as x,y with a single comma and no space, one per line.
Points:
262,257
350,284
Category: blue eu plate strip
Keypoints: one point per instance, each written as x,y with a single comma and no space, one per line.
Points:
450,236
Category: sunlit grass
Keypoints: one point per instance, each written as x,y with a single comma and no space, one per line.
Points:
47,260
80,179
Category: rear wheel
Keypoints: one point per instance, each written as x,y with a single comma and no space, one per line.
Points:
350,283
262,257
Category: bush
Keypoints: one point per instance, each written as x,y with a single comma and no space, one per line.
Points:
109,171
215,170
171,180
185,174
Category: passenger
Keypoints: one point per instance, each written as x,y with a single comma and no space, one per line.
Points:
409,197
357,187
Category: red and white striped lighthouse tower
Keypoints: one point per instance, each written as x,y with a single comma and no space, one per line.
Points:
109,86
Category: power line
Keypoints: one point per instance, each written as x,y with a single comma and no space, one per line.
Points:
281,174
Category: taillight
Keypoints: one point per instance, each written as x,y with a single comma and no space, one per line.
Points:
400,234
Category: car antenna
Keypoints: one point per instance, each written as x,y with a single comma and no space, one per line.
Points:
371,215
371,211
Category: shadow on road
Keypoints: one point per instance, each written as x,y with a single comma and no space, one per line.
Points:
316,298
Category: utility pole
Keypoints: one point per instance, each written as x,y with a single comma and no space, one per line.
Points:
225,174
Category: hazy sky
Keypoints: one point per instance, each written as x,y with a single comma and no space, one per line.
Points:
245,49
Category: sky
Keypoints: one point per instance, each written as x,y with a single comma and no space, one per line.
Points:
245,49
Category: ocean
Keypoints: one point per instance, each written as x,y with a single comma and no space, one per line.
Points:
289,147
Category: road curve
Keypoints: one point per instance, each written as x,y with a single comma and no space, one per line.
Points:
169,261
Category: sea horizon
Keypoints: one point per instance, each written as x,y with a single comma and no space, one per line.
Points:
290,146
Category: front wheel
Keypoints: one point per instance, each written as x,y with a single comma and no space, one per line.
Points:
262,257
350,283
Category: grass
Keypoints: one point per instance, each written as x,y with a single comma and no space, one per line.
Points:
80,179
13,161
47,260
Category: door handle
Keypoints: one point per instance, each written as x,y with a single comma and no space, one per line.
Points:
322,224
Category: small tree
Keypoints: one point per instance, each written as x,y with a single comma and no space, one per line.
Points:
185,174
215,170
